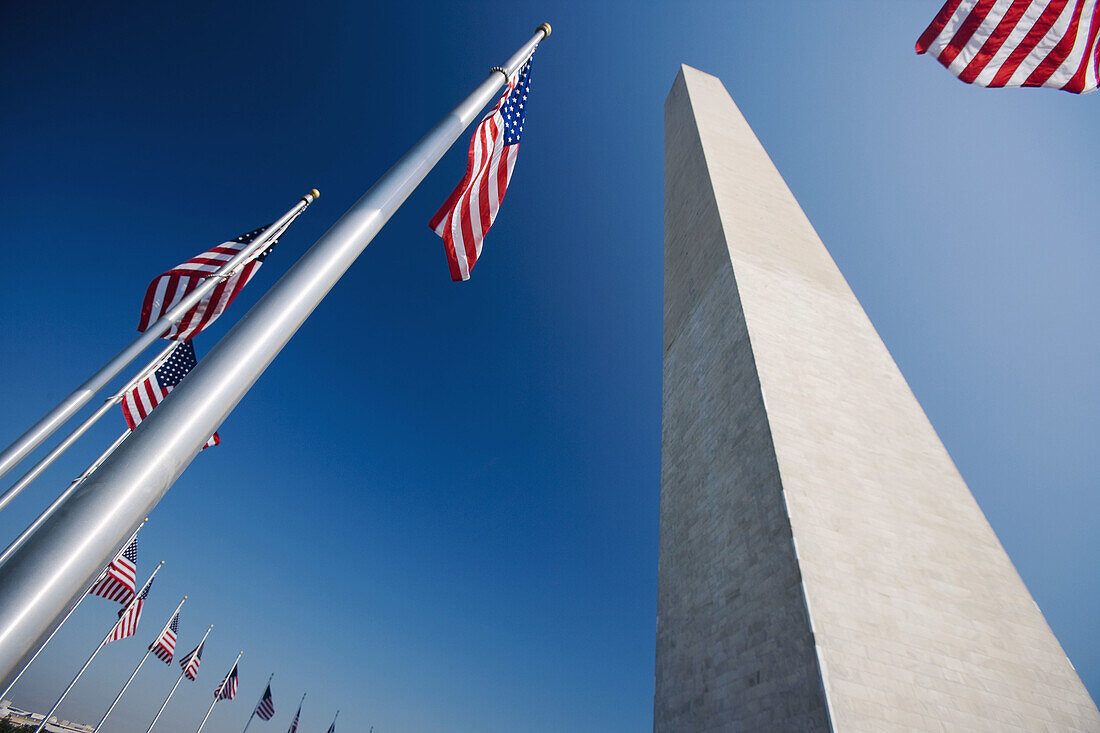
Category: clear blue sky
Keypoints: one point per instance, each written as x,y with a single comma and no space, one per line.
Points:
437,510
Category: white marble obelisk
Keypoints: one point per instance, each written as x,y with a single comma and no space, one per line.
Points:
823,566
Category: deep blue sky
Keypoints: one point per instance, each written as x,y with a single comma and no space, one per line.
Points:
437,510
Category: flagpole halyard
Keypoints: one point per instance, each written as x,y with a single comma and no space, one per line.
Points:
135,477
60,414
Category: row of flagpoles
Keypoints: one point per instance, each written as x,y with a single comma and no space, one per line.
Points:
118,583
60,557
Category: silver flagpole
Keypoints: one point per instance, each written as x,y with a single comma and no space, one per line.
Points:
60,414
56,705
250,717
138,668
15,489
215,702
15,544
4,694
54,563
173,692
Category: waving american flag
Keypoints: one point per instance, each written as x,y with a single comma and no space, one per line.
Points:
165,645
227,690
171,286
466,215
266,707
190,663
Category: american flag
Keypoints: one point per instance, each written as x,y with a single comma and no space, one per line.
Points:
170,287
294,723
165,645
1018,43
140,401
266,708
227,690
118,581
465,217
190,663
128,617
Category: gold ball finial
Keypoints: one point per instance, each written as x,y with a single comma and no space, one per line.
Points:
545,28
315,193
185,598
162,562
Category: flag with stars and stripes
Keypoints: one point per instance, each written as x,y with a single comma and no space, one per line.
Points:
165,645
466,215
128,617
140,401
118,580
294,723
190,663
1018,43
170,287
227,690
266,708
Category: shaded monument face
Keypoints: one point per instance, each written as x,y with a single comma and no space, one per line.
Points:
822,566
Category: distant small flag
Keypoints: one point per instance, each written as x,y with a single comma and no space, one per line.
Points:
170,287
466,215
227,690
1018,43
294,723
190,663
127,624
140,401
266,708
165,645
118,580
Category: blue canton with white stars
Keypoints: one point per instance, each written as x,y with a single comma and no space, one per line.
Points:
176,366
514,108
251,237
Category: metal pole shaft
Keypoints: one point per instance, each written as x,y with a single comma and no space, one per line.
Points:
56,561
207,716
49,458
79,600
56,705
165,704
60,414
122,691
138,668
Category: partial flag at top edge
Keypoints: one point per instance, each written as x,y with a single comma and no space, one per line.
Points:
171,286
1022,43
466,215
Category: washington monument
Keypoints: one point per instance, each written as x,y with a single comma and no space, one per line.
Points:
823,566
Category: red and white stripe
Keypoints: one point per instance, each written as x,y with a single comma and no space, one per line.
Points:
170,287
1018,43
470,210
127,623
